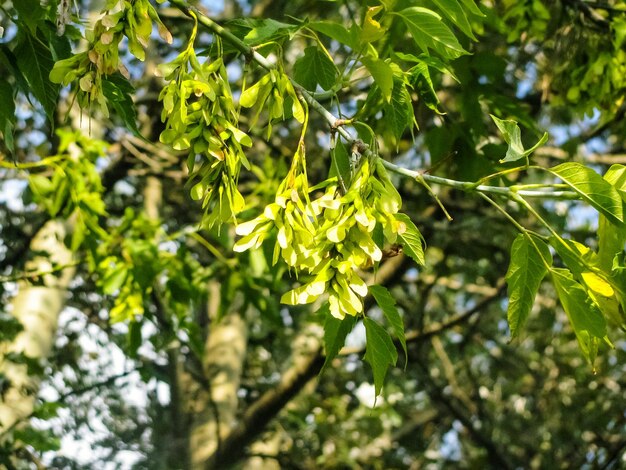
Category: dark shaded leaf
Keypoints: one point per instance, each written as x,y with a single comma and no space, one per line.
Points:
29,12
335,333
118,91
399,112
388,305
380,352
35,61
7,113
313,68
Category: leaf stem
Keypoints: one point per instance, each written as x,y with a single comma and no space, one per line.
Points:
517,225
517,198
501,173
37,274
470,186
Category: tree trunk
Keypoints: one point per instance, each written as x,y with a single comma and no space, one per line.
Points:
37,307
214,410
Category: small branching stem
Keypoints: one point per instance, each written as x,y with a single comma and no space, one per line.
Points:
332,120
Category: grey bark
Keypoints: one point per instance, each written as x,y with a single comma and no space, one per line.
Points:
214,410
37,307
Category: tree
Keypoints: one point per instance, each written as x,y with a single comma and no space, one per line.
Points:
295,196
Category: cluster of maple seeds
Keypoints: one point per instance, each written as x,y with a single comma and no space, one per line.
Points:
122,18
332,239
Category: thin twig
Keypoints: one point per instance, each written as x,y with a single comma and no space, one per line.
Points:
251,54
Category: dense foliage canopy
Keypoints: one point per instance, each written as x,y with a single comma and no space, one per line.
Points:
333,234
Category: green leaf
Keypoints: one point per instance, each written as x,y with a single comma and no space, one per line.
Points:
39,440
8,59
118,91
336,31
268,30
9,139
593,189
616,175
431,61
48,410
29,12
80,229
335,333
472,8
430,32
583,313
341,163
382,75
453,10
372,30
611,240
575,255
513,136
388,305
399,112
35,61
7,113
380,351
423,83
527,268
618,275
411,239
60,46
313,68
115,279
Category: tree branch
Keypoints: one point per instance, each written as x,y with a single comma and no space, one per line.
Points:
251,54
269,405
263,410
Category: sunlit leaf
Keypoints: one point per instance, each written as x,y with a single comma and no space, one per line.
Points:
453,10
115,279
411,239
593,189
336,31
616,175
430,32
611,241
597,284
268,29
584,314
513,136
371,29
382,75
